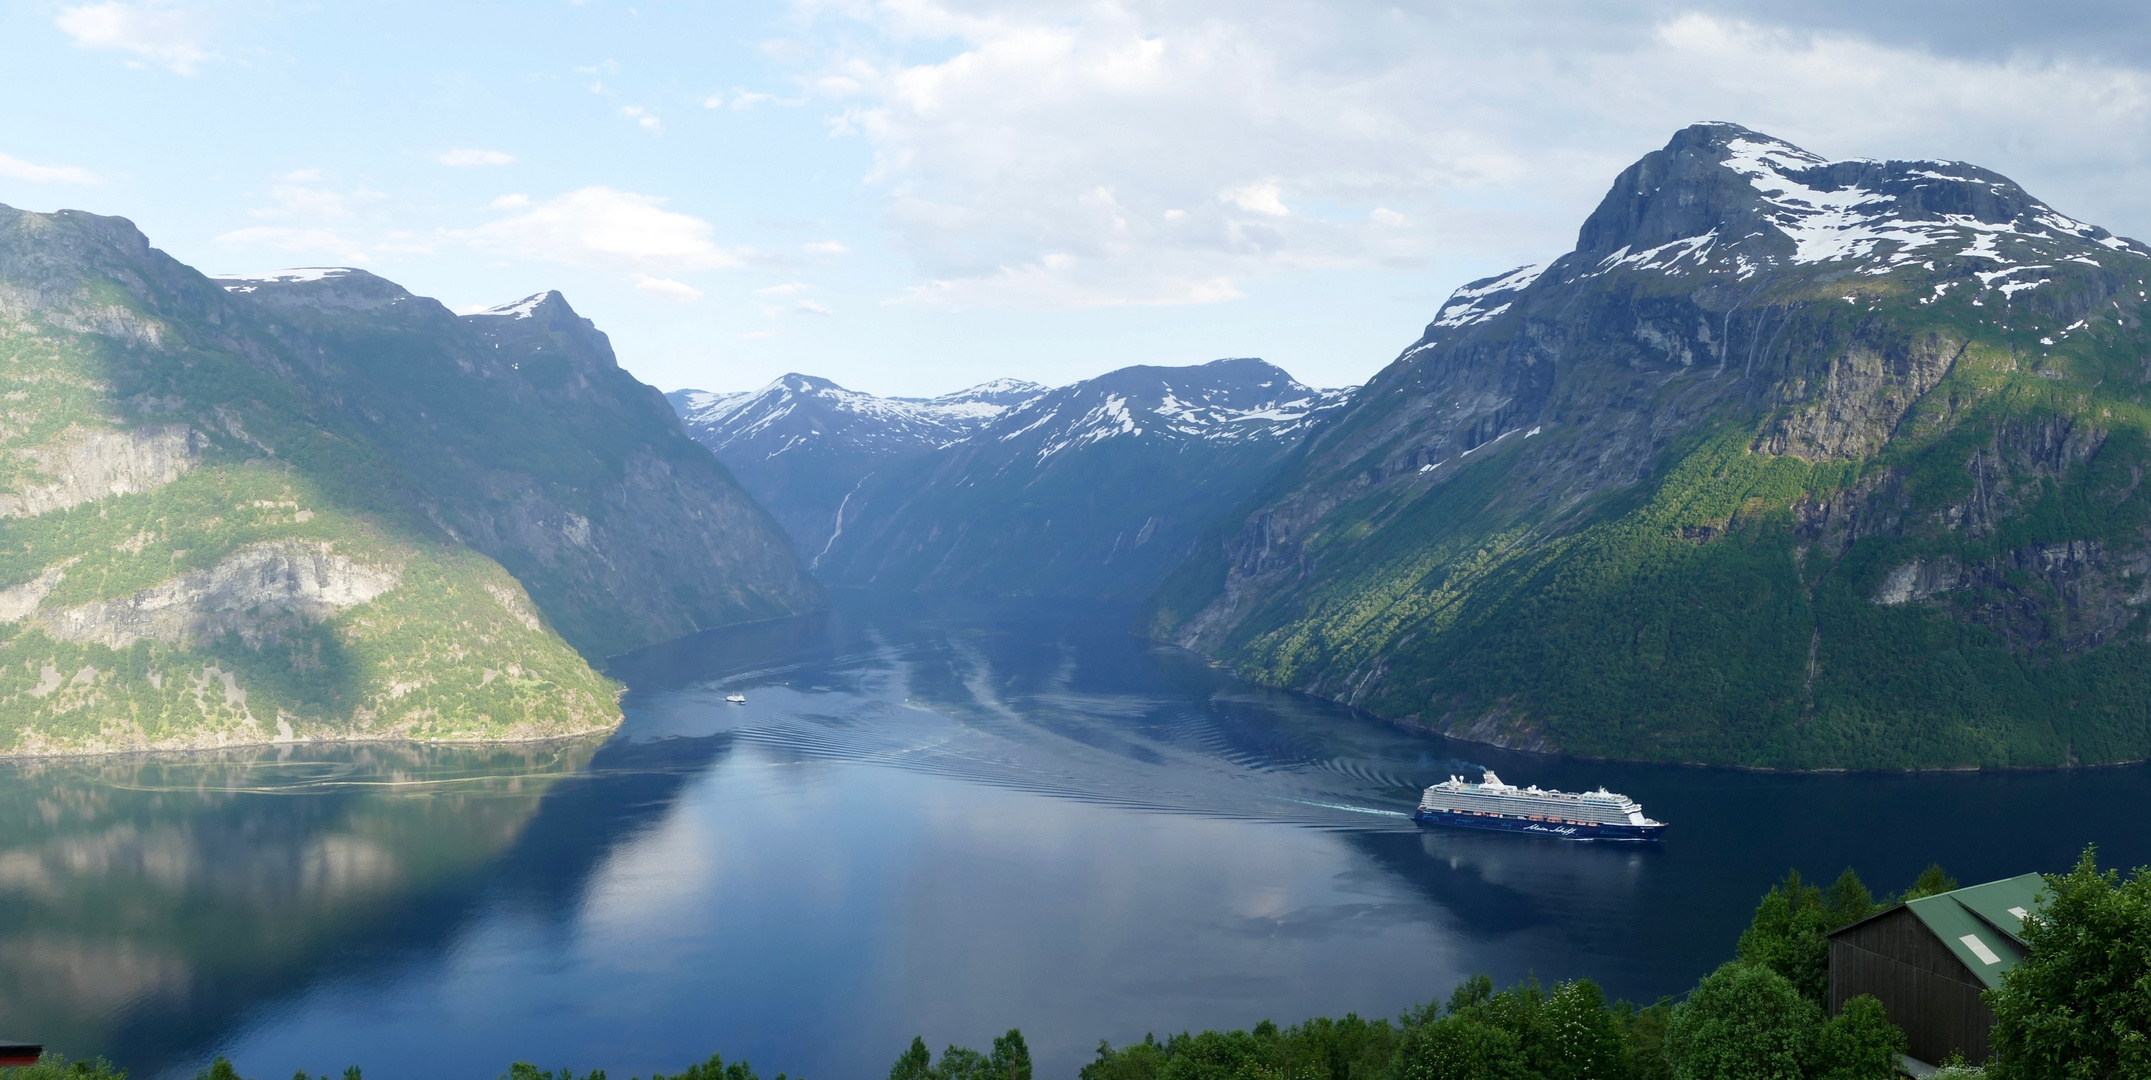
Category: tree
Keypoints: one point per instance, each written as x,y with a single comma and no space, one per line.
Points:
1460,1048
2079,1005
1790,933
56,1067
1011,1058
1215,1055
1742,1022
916,1063
1859,1043
1135,1061
1583,1042
1644,1032
1932,882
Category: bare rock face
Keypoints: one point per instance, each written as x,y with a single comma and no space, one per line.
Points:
1853,409
1790,462
91,463
258,593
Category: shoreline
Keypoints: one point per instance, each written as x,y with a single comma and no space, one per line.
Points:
25,756
1428,729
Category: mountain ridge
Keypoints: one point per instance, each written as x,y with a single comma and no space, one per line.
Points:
801,445
251,510
1641,501
1091,490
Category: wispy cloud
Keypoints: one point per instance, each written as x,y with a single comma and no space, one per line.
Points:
469,157
15,168
331,244
788,298
825,247
605,227
642,117
1103,152
310,215
167,35
678,292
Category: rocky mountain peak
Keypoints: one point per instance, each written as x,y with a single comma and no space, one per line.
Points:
1230,400
1721,199
1719,189
545,310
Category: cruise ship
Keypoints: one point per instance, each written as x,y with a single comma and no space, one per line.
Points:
1491,804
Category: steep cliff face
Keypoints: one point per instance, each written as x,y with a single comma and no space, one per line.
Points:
1093,490
1791,462
523,438
247,511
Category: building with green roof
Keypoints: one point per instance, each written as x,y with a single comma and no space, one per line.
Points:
1928,960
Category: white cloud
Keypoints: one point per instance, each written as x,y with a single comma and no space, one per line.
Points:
15,168
825,247
678,292
757,335
167,35
305,195
743,100
605,227
313,217
714,101
468,157
641,116
1262,198
329,244
1035,154
788,298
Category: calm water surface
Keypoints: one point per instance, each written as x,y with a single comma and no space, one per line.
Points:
944,820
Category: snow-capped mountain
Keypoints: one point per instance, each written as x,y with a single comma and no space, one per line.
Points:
1759,204
801,412
1095,489
1224,401
802,444
1791,462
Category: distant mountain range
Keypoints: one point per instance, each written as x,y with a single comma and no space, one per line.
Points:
1094,490
312,505
1791,462
802,444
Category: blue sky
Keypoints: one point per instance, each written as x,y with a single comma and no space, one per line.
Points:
910,196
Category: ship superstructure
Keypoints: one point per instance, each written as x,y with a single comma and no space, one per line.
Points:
1491,804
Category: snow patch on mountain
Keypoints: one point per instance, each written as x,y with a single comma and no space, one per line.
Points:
246,283
1475,302
796,412
520,309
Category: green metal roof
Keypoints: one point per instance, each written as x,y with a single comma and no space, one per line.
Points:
1983,924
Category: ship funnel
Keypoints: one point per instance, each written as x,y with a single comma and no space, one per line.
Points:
1488,779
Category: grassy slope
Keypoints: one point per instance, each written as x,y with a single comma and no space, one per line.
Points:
1620,636
456,651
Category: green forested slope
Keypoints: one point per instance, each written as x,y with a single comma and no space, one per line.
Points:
1738,481
207,537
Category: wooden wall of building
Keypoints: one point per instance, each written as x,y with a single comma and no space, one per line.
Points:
1926,990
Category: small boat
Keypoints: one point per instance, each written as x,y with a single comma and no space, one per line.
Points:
736,699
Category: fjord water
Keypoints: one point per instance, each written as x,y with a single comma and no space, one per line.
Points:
944,820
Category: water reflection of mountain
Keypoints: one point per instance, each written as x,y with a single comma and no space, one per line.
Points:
149,904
